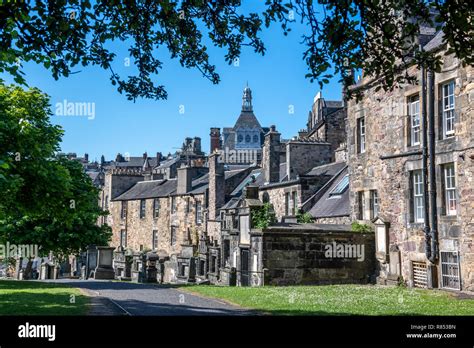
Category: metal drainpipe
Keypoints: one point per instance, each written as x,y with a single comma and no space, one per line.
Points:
425,165
432,152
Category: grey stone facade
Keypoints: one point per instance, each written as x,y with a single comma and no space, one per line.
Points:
388,155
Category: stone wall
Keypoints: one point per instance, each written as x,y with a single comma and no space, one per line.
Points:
387,133
300,255
301,156
336,129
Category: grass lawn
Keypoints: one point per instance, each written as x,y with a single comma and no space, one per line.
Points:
38,298
340,300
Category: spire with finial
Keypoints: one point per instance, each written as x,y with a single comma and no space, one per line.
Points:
247,99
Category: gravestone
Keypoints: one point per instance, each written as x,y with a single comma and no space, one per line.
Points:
139,268
91,261
151,270
104,268
122,264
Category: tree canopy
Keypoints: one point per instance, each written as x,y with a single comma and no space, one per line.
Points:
378,37
45,200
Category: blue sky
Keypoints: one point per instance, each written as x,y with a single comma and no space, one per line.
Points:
276,79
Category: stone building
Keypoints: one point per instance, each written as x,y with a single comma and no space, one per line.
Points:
296,172
166,216
326,121
242,143
423,212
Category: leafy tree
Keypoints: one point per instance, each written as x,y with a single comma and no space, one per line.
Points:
45,200
378,37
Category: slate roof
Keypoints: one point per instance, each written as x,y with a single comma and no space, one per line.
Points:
134,162
256,174
149,189
332,205
247,119
168,162
163,188
201,184
327,169
231,203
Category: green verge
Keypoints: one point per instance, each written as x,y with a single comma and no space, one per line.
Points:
340,300
39,298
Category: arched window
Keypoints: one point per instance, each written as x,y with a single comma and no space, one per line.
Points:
240,138
255,138
247,138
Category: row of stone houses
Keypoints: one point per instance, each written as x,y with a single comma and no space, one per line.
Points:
399,161
197,215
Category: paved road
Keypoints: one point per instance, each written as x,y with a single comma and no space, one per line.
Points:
147,299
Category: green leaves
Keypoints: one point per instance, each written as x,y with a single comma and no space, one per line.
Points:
377,37
37,187
263,216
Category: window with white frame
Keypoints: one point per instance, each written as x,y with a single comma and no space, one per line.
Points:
142,208
154,239
449,189
448,109
198,212
123,238
123,212
156,208
414,113
418,196
361,134
173,204
374,204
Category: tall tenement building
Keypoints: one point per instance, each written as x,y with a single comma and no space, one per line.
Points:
423,211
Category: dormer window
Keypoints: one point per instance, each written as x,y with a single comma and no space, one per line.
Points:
255,138
240,138
247,138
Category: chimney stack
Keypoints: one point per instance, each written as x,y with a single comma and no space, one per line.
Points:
86,157
158,158
145,155
186,175
271,156
216,185
185,179
197,145
215,139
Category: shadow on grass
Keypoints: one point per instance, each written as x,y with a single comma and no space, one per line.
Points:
42,303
